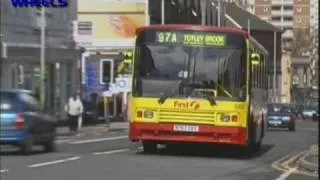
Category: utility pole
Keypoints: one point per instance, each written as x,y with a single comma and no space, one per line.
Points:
274,65
163,11
219,13
42,57
203,11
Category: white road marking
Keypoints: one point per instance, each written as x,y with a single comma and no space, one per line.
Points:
54,162
286,174
308,129
99,140
62,141
4,170
97,134
111,152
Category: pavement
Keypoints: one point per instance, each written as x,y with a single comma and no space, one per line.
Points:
110,155
95,130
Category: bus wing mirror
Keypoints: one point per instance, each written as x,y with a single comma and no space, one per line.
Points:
255,59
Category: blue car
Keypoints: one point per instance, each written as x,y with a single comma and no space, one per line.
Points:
281,116
23,123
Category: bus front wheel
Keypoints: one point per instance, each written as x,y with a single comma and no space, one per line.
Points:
149,147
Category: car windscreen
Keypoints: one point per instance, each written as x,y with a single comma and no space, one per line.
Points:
8,102
310,108
279,108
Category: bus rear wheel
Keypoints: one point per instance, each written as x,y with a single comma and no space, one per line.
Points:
149,147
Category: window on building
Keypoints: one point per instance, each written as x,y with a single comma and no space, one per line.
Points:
287,7
287,18
276,8
276,18
287,29
85,28
106,75
299,19
266,9
299,9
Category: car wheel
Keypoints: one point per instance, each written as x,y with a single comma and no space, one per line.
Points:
26,147
50,146
149,147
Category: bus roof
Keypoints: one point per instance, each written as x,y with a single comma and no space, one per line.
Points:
192,27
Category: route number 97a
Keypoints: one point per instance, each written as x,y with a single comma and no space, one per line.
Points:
166,37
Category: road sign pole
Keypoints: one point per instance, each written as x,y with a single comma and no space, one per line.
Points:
274,65
125,104
163,12
115,108
106,101
42,58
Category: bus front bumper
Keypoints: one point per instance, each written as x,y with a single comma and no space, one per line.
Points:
206,134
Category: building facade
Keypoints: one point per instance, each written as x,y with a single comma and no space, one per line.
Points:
314,12
106,30
289,15
286,78
20,51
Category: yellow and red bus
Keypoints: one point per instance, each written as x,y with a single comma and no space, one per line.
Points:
195,84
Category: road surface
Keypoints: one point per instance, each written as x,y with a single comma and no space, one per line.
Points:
111,156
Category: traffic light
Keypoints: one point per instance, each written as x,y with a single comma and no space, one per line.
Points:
128,56
255,58
106,71
125,65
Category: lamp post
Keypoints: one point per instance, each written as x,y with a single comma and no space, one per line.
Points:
42,57
163,11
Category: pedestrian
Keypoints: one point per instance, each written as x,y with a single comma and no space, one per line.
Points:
74,109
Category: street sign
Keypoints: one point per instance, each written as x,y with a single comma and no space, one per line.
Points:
113,88
107,93
123,84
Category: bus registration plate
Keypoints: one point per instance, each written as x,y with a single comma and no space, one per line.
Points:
185,128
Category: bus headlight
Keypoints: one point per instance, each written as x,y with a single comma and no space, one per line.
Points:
228,117
148,114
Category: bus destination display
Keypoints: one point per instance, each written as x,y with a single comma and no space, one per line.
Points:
190,38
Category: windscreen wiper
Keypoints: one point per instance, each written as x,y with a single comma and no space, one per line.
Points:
168,93
211,99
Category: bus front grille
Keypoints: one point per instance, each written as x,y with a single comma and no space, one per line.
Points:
183,116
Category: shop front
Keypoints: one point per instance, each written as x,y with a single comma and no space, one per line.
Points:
21,69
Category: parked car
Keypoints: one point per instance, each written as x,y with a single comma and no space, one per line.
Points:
309,111
315,116
281,116
23,123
